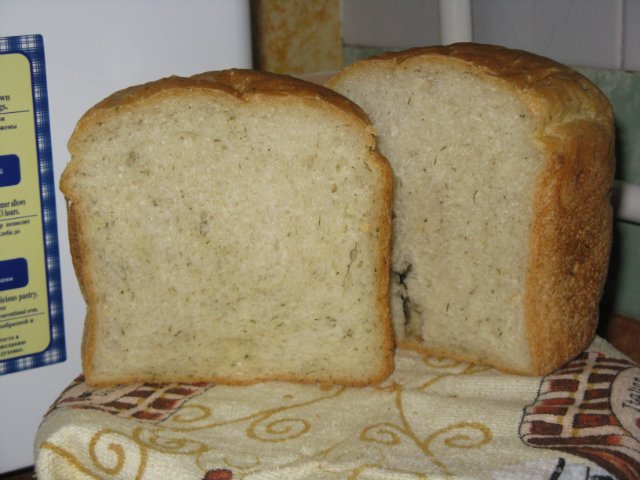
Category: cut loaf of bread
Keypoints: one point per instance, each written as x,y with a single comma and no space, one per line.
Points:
503,165
231,227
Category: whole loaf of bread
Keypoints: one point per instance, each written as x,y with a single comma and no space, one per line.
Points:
231,227
503,164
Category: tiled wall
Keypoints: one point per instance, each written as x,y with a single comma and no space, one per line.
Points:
587,33
601,38
623,90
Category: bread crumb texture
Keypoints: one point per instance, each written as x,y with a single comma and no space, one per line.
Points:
474,134
463,159
231,233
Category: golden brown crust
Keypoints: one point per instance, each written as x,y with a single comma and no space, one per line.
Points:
570,242
92,381
251,82
384,267
244,85
240,83
78,257
553,92
570,235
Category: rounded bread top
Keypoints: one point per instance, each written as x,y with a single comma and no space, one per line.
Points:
242,83
554,92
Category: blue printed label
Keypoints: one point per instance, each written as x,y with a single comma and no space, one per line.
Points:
13,274
9,170
31,323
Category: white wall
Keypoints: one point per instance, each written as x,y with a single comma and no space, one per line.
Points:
587,33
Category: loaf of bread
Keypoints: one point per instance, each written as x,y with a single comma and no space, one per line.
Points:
503,166
232,227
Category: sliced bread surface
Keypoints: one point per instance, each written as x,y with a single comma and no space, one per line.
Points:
503,166
231,227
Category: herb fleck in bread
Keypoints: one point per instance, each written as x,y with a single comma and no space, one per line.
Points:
232,227
503,165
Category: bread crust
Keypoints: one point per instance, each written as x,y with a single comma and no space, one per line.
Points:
245,85
571,228
241,83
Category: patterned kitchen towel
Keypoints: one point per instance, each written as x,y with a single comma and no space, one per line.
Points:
432,419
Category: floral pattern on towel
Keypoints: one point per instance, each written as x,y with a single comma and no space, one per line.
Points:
433,418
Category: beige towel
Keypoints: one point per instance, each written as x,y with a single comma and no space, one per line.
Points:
432,419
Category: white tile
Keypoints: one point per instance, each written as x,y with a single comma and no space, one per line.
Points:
576,32
391,24
631,39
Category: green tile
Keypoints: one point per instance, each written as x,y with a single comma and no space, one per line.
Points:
353,53
623,90
622,293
